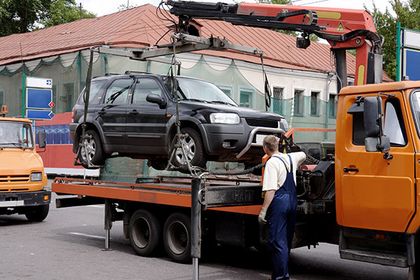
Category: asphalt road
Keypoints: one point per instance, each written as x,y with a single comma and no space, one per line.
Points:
68,245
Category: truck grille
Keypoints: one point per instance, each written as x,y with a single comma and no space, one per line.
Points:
14,179
262,122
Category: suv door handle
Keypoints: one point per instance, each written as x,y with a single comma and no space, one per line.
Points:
350,169
133,112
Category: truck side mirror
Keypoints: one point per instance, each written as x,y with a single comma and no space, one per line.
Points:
42,139
373,117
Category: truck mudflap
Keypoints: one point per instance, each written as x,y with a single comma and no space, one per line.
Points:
24,199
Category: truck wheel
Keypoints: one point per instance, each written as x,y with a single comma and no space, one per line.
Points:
177,237
193,149
144,232
37,213
91,148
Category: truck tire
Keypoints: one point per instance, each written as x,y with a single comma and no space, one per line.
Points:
144,232
177,237
37,213
195,151
94,150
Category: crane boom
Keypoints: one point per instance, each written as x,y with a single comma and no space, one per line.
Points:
342,28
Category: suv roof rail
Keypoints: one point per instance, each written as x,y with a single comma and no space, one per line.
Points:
128,72
112,74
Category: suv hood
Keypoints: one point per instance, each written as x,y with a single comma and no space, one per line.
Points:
241,111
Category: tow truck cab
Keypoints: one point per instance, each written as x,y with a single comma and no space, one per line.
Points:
22,176
377,167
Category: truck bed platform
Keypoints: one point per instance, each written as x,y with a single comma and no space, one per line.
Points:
237,194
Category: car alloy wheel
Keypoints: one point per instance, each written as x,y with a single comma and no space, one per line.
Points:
189,149
88,149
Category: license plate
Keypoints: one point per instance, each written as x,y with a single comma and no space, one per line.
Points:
13,203
259,139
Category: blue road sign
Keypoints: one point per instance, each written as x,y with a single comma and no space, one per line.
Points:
412,62
39,114
38,98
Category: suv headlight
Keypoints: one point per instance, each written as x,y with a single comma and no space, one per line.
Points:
36,176
225,118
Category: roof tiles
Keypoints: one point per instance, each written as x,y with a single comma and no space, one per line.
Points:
141,26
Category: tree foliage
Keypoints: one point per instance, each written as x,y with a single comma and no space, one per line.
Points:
62,11
408,14
19,16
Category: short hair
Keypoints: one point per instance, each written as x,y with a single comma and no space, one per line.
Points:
271,142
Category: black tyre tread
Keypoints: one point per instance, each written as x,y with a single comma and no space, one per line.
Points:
185,257
37,213
99,158
155,232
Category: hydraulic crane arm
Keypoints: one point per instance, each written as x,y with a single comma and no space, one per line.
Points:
342,28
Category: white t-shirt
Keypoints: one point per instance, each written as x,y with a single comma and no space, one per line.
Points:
275,173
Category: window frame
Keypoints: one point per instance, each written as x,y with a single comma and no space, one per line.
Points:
301,114
318,102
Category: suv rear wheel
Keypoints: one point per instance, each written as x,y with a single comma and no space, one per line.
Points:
90,149
194,152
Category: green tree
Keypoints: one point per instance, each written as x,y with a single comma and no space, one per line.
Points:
62,11
19,16
408,14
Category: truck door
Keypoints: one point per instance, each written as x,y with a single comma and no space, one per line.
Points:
113,114
146,125
374,192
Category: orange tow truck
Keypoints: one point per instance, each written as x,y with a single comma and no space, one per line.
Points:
364,198
22,176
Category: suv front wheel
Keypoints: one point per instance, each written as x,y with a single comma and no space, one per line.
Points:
90,150
193,148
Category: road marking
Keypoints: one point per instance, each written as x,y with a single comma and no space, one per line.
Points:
87,235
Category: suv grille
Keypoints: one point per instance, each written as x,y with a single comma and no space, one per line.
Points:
262,122
14,179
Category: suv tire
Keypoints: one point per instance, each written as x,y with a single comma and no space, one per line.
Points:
95,152
194,151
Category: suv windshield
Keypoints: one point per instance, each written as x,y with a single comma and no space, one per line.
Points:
197,90
15,135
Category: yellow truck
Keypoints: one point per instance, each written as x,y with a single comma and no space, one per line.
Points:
22,176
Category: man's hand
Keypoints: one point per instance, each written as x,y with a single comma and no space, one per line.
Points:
261,216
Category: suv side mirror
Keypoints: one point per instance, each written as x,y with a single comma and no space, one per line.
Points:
157,99
373,117
42,139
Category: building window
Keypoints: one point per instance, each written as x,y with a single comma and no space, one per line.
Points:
314,103
1,98
245,99
298,102
332,106
226,90
278,100
68,90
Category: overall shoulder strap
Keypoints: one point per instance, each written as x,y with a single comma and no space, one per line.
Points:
282,160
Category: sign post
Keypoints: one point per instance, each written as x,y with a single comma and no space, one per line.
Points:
39,97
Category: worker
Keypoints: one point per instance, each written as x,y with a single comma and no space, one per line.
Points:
280,201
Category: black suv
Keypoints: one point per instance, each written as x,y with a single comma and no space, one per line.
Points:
135,115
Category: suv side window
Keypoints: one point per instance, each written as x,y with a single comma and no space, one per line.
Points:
118,91
143,88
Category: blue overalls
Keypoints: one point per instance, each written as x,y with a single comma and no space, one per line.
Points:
281,221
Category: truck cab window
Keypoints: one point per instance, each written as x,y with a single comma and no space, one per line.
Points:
394,125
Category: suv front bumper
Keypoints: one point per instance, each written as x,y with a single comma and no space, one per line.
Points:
235,142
